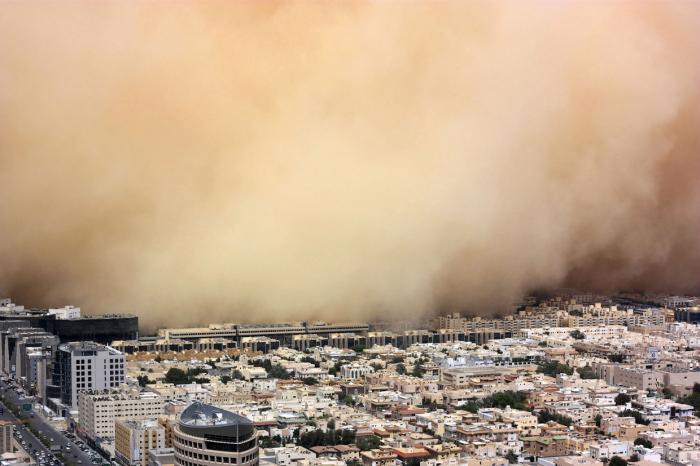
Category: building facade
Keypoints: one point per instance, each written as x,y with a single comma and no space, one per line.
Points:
100,410
133,440
86,366
206,435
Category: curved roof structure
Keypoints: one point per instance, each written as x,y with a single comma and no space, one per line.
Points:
203,420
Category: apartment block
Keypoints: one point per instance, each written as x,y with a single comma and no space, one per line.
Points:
100,410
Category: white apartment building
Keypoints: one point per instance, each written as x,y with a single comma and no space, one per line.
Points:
67,312
87,366
133,440
355,371
607,450
609,331
99,411
311,372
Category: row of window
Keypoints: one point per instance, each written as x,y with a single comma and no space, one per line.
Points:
216,459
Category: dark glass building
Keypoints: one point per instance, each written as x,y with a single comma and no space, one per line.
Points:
100,328
207,435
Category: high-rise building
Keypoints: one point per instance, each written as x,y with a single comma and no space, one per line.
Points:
16,343
86,365
207,435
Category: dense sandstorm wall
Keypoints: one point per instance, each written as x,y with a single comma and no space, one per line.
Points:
202,161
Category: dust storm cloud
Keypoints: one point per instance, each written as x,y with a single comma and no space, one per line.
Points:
220,161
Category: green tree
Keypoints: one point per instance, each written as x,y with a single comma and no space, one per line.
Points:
359,348
368,443
546,416
225,379
309,381
267,442
622,399
471,405
143,380
598,419
516,400
176,376
310,360
618,358
554,368
617,461
411,462
693,399
417,371
278,372
376,366
577,335
643,442
336,367
586,372
638,417
511,457
400,368
236,374
347,436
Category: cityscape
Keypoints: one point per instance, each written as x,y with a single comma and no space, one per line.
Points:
575,379
349,233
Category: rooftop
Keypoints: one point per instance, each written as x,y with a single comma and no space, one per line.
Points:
200,414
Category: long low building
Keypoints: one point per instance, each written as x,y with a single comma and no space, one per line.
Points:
283,331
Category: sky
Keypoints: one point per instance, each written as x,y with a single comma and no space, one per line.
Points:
209,161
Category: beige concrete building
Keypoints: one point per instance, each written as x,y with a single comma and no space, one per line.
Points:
99,411
134,439
643,379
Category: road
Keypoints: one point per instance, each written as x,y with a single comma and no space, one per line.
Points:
75,455
32,442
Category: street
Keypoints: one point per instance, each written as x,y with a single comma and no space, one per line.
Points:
68,448
25,437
